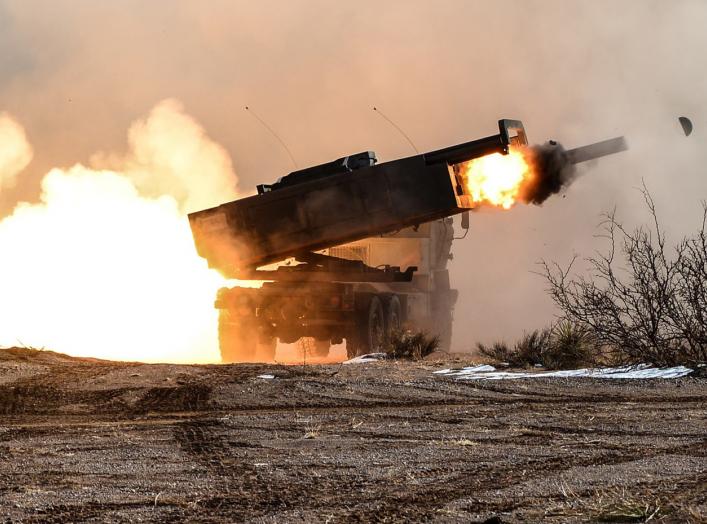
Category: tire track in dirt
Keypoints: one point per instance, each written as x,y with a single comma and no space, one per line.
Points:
488,478
238,492
599,432
187,397
39,399
63,513
520,391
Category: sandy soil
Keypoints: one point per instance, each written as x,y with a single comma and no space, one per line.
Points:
84,440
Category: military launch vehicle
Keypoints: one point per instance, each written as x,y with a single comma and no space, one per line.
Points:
367,245
350,250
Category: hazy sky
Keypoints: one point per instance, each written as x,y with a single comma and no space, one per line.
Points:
76,73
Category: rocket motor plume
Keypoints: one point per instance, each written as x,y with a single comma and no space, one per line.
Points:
529,174
526,174
104,264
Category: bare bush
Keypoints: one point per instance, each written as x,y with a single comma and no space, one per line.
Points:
646,301
411,345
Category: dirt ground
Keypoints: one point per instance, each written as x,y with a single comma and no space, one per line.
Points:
84,440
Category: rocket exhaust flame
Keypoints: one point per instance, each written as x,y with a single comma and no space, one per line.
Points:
496,179
104,265
528,174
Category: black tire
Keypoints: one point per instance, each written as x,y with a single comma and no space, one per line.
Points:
373,327
237,339
444,331
353,346
394,313
369,334
443,302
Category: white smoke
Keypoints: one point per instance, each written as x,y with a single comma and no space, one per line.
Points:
104,264
15,151
170,154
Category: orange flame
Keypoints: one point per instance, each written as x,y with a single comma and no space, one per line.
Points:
497,179
104,264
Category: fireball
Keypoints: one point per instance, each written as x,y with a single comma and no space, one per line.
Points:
496,179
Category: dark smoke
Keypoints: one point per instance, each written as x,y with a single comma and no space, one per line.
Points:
554,172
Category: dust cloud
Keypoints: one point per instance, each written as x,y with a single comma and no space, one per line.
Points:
577,71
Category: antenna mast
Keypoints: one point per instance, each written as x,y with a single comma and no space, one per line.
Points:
396,126
273,133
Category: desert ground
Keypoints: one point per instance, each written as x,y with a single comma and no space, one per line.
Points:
389,441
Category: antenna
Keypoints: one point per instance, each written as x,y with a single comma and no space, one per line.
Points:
273,133
396,127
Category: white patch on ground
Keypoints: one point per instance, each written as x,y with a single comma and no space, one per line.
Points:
476,369
486,372
266,376
363,359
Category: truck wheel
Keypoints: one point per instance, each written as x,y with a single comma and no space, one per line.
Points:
353,346
237,340
374,327
444,331
394,315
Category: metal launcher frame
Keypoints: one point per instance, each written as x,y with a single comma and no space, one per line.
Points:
342,201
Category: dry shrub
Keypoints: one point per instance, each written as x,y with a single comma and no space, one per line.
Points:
570,346
532,346
499,352
526,352
564,346
411,345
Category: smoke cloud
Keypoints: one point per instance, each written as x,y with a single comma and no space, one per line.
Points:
577,71
554,172
15,151
104,263
170,154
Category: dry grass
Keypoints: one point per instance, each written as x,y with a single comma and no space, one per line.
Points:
312,432
569,346
464,442
411,345
563,346
622,505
